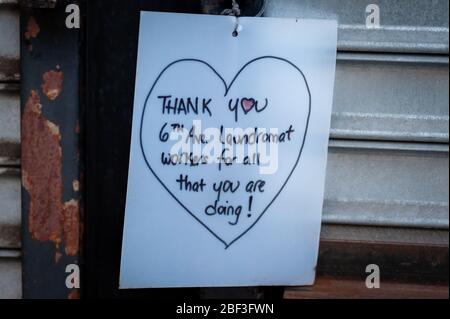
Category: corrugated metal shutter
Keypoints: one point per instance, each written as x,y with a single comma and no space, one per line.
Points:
388,163
10,269
387,178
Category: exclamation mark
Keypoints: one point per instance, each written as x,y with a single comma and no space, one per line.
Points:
250,202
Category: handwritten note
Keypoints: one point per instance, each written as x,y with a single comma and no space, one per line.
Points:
228,151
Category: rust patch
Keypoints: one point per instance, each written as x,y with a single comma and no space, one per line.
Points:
32,29
74,294
71,227
52,84
41,172
48,218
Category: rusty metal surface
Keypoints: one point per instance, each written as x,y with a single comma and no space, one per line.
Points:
49,218
50,155
336,288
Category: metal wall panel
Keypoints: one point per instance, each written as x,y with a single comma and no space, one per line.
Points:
9,41
9,208
9,124
414,26
10,275
387,184
10,263
10,278
391,97
370,234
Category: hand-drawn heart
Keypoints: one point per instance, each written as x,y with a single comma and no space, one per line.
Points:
226,197
247,104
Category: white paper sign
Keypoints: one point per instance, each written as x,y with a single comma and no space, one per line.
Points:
228,151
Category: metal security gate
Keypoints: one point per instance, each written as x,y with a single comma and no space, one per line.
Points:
387,189
10,264
387,178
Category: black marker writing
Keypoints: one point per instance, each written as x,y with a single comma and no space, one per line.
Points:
185,106
225,186
226,210
247,105
187,185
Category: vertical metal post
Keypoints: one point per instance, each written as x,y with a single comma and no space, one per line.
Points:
50,129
